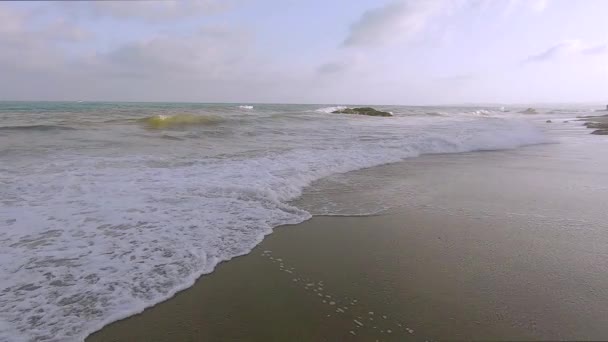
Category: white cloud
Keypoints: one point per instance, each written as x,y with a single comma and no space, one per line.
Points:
210,53
538,5
402,19
555,51
459,78
33,49
596,50
395,21
565,48
513,6
146,10
157,10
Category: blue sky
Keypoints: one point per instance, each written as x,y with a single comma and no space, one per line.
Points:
358,51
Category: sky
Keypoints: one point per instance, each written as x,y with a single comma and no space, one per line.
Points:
409,52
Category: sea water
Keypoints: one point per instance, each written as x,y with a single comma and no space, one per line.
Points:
109,208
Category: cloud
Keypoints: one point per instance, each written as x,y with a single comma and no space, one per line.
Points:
147,10
534,5
397,20
209,53
16,25
62,30
403,19
458,78
213,63
596,50
538,5
568,47
46,58
33,48
514,6
553,52
332,67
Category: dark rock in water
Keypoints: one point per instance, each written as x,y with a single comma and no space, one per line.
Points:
597,125
548,121
529,111
362,111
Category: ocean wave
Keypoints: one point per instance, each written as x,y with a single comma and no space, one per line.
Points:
179,121
483,112
330,109
107,237
246,107
37,128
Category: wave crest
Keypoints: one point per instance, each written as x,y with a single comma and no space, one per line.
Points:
330,109
179,121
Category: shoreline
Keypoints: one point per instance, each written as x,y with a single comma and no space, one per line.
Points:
445,262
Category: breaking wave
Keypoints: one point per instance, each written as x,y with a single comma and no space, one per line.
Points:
179,121
330,109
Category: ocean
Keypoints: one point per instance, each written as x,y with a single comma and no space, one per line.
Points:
109,208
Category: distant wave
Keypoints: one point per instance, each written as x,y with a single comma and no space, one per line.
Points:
330,109
37,128
179,120
481,112
246,107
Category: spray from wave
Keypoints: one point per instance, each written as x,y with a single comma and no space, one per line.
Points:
330,109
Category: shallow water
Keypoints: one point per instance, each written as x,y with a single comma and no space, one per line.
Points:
498,245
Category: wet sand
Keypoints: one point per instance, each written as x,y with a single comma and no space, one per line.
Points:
507,245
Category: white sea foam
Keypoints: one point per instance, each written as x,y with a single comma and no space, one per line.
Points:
330,109
87,240
481,112
245,107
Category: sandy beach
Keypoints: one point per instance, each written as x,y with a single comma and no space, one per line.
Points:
218,170
499,245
